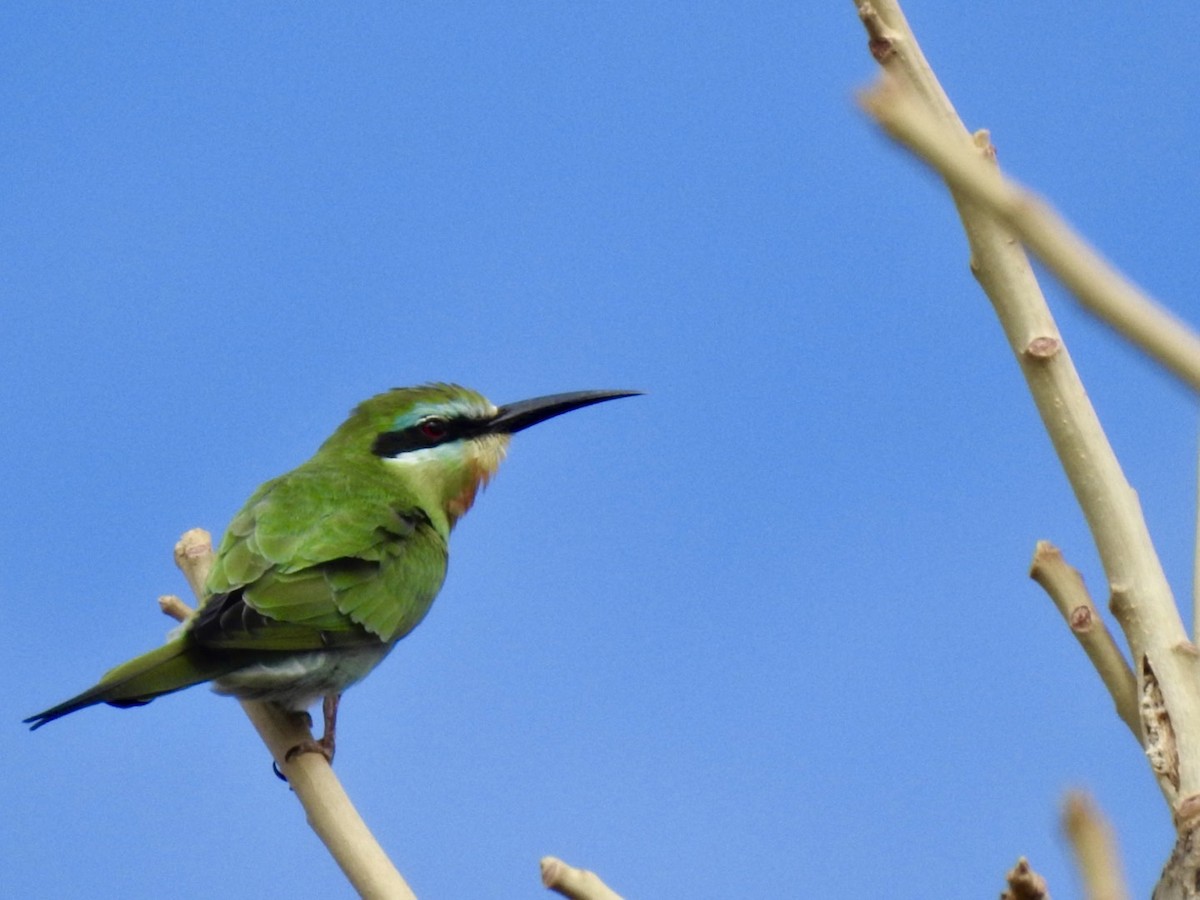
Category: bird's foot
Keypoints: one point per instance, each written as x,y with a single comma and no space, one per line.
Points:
325,746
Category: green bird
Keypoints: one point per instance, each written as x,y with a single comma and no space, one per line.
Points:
329,565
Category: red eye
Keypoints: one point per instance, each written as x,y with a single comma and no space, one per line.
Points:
433,428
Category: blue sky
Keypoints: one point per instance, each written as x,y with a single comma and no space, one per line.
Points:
732,638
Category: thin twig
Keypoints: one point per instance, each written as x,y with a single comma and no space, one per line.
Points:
330,813
1065,586
1097,284
578,884
174,607
1095,850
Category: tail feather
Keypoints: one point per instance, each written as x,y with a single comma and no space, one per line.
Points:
171,667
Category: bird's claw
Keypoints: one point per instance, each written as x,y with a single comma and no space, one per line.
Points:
321,746
303,747
325,745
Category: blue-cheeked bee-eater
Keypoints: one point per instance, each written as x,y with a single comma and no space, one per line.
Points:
329,565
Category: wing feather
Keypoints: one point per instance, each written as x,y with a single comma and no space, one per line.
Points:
336,556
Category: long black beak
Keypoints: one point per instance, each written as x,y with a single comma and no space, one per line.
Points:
514,417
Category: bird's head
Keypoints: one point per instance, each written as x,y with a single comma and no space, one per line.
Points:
446,441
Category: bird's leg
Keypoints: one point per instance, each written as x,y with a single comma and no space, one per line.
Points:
329,708
325,745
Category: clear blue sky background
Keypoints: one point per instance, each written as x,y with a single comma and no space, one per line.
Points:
766,631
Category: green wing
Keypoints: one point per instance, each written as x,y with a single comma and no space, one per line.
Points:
319,557
322,555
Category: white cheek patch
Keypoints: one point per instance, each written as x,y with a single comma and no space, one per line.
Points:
420,457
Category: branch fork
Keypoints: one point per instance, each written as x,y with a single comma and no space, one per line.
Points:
1158,696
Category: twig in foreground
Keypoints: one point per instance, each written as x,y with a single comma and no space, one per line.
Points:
1095,282
1094,848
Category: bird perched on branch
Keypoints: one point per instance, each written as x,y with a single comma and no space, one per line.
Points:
328,566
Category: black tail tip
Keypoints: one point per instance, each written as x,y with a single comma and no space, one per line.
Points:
57,712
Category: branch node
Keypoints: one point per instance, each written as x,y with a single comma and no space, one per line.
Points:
1043,348
1120,601
881,48
983,142
880,39
1081,620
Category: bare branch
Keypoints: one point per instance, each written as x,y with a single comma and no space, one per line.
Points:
1065,586
329,810
1141,598
1094,848
1096,283
578,884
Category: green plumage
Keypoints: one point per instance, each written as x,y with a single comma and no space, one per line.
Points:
321,577
372,562
327,566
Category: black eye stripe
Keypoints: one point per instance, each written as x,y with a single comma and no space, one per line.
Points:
420,436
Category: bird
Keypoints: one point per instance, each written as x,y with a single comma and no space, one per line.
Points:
329,565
